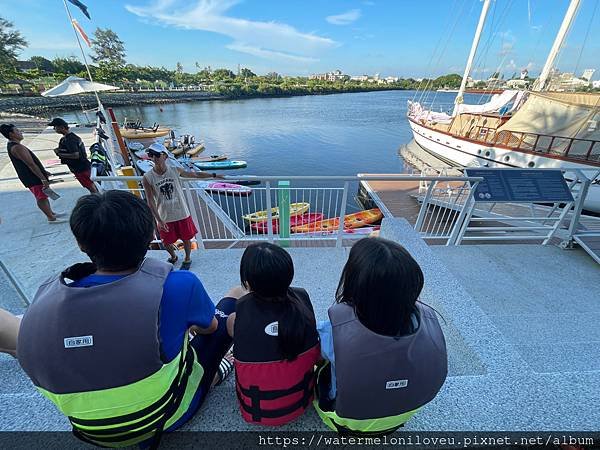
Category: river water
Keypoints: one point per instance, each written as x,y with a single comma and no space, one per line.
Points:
340,134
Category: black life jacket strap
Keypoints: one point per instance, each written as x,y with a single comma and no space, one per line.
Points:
154,416
256,395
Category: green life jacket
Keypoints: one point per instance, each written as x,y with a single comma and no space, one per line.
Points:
381,381
94,352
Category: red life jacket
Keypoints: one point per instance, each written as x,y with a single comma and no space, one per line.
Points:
271,390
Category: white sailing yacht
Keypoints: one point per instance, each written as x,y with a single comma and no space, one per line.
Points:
523,129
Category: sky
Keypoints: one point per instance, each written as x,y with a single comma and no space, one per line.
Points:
406,38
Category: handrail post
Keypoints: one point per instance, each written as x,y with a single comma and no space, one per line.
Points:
269,212
583,190
338,242
423,210
461,221
283,200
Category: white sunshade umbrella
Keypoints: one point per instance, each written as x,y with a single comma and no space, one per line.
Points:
76,85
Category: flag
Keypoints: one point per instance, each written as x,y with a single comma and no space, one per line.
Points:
82,7
82,33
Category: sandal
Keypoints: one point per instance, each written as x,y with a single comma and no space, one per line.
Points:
185,265
225,367
172,261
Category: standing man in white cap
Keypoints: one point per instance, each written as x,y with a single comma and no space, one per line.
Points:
164,195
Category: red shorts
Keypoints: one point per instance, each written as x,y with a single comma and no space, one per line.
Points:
38,192
84,178
183,229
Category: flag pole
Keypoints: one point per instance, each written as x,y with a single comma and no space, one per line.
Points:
82,52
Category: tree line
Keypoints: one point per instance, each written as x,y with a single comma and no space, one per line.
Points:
109,65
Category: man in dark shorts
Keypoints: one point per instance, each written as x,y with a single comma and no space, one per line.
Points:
30,170
110,341
71,151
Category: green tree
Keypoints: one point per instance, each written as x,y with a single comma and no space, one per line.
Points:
11,43
108,48
247,73
222,74
43,64
68,66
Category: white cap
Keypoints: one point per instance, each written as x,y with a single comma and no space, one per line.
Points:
158,148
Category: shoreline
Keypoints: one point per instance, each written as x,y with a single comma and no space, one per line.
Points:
42,106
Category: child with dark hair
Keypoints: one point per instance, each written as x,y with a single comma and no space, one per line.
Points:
108,341
276,344
385,351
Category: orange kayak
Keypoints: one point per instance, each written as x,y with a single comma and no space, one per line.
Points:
355,220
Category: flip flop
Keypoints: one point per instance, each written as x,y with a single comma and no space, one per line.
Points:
225,367
172,261
185,265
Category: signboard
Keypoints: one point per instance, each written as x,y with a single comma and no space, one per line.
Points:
520,185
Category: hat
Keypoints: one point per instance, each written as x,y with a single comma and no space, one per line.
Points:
156,149
58,122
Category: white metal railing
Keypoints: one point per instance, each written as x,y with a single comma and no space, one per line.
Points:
221,217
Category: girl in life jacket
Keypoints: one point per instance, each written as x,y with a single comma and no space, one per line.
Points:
276,344
385,351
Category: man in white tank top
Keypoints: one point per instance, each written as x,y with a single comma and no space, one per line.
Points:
165,197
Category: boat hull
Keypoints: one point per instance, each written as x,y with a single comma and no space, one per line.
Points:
460,152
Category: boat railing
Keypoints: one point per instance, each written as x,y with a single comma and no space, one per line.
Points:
302,208
562,146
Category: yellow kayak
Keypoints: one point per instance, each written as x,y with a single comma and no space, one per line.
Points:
261,216
190,152
132,133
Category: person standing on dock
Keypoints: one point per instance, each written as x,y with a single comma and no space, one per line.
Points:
30,171
164,195
71,151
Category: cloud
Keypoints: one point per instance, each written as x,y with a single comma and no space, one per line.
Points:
368,3
268,54
508,41
511,65
269,40
345,18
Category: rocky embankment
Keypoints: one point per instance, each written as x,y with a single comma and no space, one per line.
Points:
43,106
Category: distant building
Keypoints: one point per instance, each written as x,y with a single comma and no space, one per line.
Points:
24,66
517,84
360,78
390,80
524,74
596,84
567,81
336,75
588,74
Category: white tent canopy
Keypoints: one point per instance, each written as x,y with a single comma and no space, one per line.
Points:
76,85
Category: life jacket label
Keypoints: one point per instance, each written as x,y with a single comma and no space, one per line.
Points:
79,341
396,384
272,329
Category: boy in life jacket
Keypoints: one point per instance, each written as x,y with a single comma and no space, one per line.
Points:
276,344
385,351
108,341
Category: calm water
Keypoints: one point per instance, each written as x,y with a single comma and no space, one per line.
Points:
342,134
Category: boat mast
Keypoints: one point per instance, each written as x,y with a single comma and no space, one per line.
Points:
459,97
558,42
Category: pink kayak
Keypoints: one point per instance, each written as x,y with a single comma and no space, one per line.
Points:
227,188
303,219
